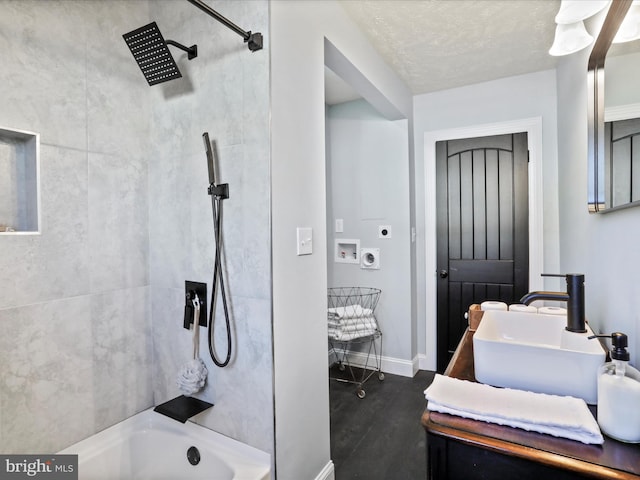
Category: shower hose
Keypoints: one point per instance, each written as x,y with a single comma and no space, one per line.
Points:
218,281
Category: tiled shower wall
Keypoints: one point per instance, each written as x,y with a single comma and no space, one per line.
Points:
75,346
225,92
126,219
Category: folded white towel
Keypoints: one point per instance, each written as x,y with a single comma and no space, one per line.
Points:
352,328
566,417
359,327
354,323
346,336
367,330
350,311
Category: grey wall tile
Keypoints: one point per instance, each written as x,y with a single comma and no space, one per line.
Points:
43,69
243,397
60,264
59,344
223,98
125,206
46,397
118,226
118,101
122,357
172,344
54,264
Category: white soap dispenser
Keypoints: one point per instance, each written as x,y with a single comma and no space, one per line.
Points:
619,393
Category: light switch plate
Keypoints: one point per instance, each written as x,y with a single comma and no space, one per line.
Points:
305,240
339,225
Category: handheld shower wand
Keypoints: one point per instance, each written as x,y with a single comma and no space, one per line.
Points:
218,193
215,190
211,159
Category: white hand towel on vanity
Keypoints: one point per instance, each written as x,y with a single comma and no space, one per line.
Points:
566,417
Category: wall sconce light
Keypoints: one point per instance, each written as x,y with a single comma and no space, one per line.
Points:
571,35
570,38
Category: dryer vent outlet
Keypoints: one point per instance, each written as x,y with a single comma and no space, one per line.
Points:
370,258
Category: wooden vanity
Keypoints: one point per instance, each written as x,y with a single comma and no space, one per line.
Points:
460,448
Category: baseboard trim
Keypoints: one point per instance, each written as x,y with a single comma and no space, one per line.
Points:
395,366
422,362
327,473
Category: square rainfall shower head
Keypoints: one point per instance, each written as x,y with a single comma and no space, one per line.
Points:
152,54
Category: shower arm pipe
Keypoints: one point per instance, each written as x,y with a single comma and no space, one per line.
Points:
254,40
192,51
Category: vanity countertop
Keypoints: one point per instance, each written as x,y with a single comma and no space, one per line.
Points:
612,460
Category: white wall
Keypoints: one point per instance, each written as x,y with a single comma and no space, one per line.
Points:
604,246
509,99
368,186
298,31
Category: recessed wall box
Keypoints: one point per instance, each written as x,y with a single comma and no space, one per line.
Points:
347,251
384,231
19,182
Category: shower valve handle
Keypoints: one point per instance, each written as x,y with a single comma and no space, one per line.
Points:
188,315
188,309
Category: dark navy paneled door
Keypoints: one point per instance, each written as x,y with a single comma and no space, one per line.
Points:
482,229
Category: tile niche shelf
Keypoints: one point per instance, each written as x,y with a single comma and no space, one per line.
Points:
19,182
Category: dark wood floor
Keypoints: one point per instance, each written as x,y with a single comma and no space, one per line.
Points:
379,437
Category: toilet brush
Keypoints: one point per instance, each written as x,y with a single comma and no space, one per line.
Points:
193,374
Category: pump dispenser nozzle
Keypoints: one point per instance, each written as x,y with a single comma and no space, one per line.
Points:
619,342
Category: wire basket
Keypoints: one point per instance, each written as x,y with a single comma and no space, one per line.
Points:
351,320
350,312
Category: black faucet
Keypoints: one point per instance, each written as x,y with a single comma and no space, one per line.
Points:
574,297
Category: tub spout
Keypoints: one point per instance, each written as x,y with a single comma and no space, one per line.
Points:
574,296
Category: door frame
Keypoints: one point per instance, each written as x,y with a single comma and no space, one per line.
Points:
533,128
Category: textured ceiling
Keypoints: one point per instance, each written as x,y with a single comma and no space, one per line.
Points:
440,44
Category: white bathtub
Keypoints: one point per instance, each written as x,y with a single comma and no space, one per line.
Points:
150,446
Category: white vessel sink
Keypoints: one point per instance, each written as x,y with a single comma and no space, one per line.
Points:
534,352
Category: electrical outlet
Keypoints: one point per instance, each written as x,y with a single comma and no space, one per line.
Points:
200,289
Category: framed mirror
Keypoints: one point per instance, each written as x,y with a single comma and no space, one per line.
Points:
614,117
